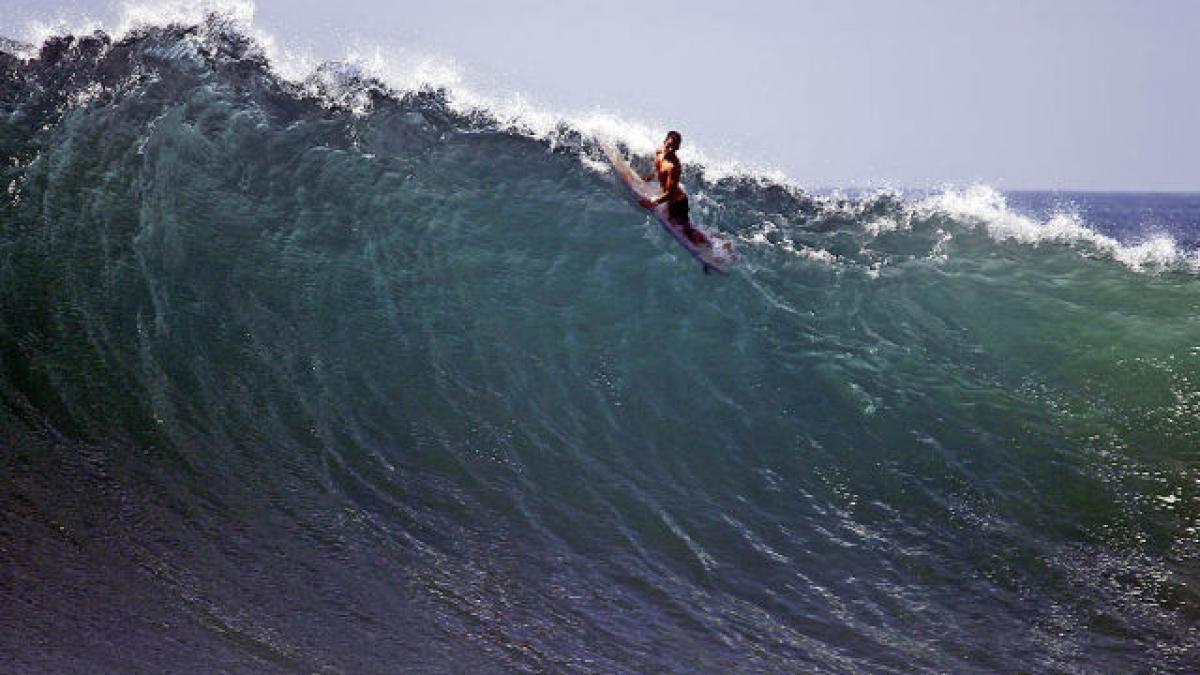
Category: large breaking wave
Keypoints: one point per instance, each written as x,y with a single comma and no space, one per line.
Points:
326,373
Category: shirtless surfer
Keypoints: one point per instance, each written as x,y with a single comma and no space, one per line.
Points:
668,169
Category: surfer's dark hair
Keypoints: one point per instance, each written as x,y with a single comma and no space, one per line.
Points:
678,138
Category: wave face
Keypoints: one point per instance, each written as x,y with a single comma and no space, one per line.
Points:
325,377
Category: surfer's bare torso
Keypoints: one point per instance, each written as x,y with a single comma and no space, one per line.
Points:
668,169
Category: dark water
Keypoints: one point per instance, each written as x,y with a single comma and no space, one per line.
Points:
322,377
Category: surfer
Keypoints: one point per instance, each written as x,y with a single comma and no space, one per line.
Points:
668,169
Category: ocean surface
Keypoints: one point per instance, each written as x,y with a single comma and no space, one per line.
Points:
330,376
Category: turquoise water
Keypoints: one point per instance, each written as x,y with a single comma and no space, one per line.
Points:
296,386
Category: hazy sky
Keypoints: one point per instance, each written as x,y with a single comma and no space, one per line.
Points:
1085,94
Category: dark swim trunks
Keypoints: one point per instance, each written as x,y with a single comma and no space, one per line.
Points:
678,210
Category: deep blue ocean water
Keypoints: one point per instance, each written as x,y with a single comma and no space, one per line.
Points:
326,377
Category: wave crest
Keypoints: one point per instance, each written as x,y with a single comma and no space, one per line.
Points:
983,206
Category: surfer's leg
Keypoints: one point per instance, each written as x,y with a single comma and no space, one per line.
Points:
679,211
695,236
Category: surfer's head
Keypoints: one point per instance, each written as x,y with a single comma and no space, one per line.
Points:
673,141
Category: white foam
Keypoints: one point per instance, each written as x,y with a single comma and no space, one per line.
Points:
39,30
290,63
405,70
883,224
768,233
984,206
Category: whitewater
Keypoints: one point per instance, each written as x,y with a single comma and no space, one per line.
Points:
348,369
